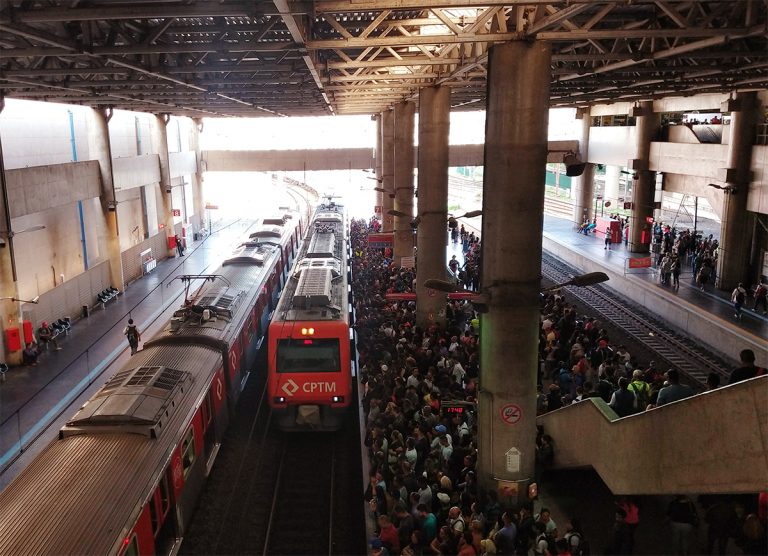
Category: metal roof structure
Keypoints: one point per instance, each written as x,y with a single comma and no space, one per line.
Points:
276,57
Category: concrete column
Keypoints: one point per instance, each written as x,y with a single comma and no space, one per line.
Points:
9,284
735,227
378,168
644,186
584,185
434,124
164,195
388,168
404,116
611,192
513,194
100,149
198,202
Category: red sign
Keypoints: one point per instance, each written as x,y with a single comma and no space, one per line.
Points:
649,219
176,212
640,262
161,226
511,414
377,209
381,241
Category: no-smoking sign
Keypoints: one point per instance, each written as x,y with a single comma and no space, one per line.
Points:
511,414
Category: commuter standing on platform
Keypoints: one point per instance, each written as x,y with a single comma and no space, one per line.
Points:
607,238
179,246
134,336
738,297
761,298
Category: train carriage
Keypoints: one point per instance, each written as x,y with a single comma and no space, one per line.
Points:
309,357
125,473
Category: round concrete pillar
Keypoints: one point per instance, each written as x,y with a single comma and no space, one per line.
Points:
377,163
404,116
513,205
434,125
160,142
584,185
388,169
644,185
736,226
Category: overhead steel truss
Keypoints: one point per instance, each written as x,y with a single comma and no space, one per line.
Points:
277,57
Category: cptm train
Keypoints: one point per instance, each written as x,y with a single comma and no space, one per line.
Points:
125,473
309,379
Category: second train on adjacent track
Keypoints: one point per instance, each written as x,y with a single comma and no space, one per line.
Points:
310,366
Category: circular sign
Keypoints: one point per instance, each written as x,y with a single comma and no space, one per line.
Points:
607,204
431,292
511,414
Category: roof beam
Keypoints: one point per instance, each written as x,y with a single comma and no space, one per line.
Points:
161,11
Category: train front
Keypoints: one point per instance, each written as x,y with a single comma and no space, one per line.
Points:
310,375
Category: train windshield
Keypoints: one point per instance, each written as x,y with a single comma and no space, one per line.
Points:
309,356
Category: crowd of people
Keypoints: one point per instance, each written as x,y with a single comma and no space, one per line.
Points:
423,491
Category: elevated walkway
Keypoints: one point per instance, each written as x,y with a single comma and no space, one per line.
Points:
715,442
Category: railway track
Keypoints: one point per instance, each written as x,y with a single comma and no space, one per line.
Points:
690,359
277,493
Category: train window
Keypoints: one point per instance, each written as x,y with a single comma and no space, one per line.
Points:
165,496
207,410
154,514
188,451
308,356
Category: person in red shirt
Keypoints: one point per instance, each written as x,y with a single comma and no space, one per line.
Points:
466,546
388,534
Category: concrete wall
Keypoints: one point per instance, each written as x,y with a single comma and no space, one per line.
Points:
44,139
42,256
716,442
40,188
182,163
135,171
129,134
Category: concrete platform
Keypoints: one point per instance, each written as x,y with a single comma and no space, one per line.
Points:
705,315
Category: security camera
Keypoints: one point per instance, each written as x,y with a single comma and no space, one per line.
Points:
168,190
2,242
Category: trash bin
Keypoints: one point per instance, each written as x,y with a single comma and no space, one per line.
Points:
86,311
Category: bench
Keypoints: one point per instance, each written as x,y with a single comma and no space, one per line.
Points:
106,295
61,326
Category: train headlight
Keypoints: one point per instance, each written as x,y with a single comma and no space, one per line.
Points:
337,399
279,399
307,331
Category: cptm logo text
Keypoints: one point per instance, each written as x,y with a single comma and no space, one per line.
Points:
290,387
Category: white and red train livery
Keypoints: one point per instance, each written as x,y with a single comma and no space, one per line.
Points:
125,473
309,379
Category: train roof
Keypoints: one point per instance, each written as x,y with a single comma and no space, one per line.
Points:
223,299
100,465
317,289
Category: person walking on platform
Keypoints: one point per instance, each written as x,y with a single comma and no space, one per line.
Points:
179,246
45,335
761,298
738,297
607,238
134,336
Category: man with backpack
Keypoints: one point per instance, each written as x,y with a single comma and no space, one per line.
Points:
134,336
738,297
640,389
